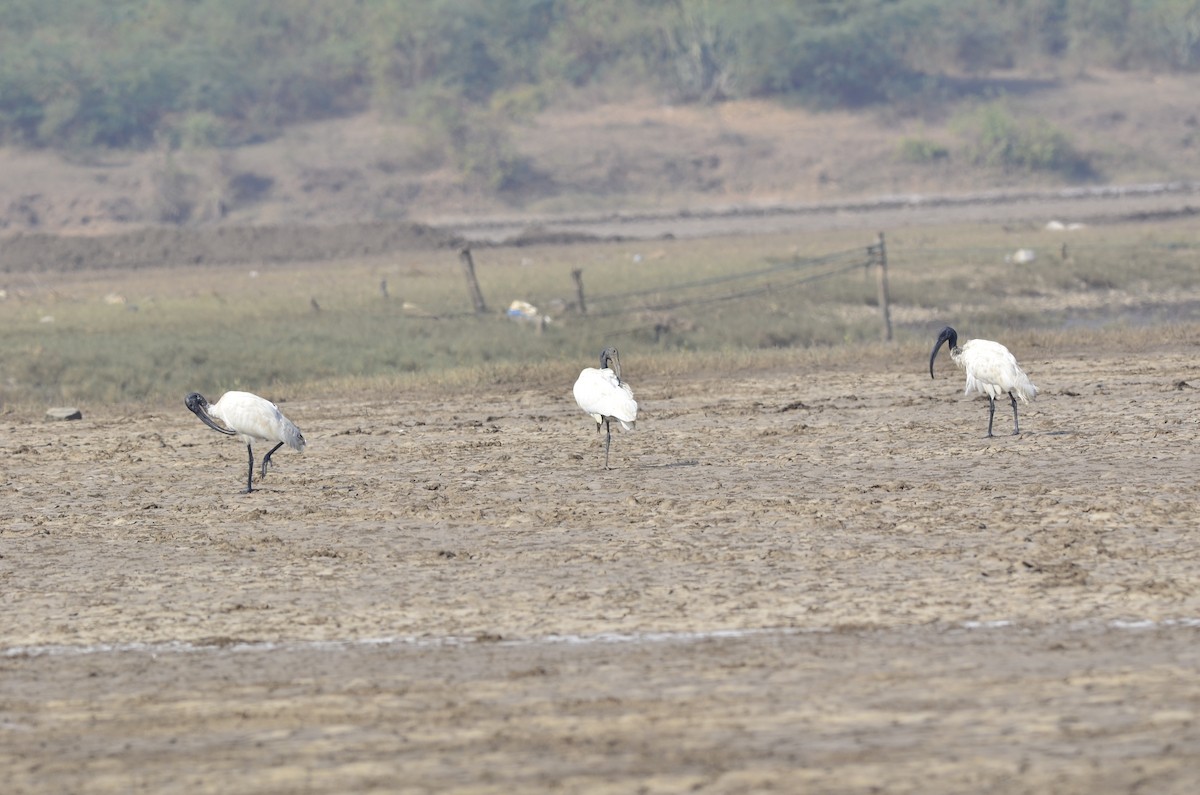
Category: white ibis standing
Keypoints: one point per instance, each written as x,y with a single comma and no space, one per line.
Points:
602,393
251,419
991,370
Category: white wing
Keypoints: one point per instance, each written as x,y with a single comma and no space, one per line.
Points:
599,393
255,417
992,370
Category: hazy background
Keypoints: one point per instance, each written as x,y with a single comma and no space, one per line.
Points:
263,111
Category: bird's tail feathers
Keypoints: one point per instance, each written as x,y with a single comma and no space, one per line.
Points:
1026,391
627,425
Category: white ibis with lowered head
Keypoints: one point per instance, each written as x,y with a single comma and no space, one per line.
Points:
602,393
251,419
991,370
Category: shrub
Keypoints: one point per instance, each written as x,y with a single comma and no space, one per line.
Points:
520,104
999,139
172,193
919,150
475,141
202,129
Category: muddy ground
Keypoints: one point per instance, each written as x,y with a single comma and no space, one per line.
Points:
789,581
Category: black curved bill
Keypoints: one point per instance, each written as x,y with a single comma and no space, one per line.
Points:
207,420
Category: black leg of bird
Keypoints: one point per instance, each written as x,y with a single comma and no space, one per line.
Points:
250,474
991,413
1016,425
607,440
267,458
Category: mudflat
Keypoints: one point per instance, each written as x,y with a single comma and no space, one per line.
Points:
789,581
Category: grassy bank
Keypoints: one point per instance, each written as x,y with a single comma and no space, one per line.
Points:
672,306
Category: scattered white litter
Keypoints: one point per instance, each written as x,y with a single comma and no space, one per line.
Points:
525,312
522,310
1059,226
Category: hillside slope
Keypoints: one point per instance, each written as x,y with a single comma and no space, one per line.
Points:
630,156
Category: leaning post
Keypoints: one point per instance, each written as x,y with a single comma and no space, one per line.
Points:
468,264
882,286
577,275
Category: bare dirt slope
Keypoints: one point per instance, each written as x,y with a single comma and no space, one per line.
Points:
599,154
789,581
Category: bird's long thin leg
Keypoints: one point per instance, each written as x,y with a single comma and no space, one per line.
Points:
1016,425
991,413
267,458
250,474
607,441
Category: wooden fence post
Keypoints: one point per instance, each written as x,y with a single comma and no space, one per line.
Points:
577,275
472,283
882,285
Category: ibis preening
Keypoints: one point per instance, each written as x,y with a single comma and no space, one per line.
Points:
991,370
251,419
602,393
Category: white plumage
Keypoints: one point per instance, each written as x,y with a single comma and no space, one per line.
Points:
251,419
602,394
991,370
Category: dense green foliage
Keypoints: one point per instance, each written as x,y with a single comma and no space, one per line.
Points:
128,73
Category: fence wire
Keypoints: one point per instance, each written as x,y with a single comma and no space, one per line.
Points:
845,261
683,303
779,267
625,303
